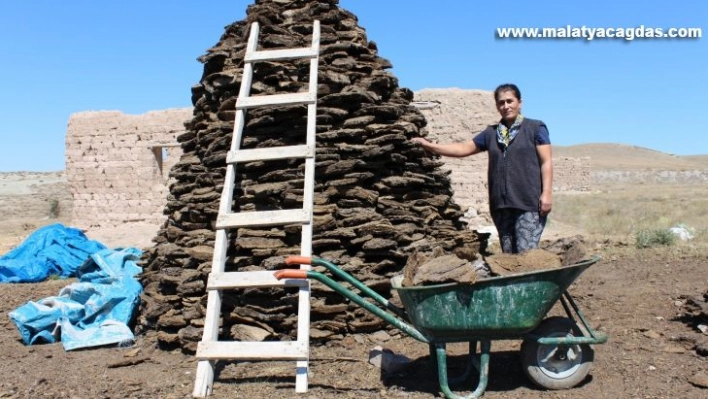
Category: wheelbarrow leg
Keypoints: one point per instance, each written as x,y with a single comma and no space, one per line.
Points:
471,363
483,367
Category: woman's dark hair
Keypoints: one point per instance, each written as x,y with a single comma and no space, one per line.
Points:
507,87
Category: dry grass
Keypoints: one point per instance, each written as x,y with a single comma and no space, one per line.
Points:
618,212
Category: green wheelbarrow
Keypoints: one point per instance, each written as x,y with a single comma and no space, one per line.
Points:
555,352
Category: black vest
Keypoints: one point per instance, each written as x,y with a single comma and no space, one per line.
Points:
514,175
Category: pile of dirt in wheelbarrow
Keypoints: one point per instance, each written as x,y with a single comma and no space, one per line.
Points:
563,252
529,261
439,267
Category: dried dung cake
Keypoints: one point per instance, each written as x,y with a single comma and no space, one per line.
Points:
437,268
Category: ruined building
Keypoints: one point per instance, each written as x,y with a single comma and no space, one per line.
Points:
117,165
378,197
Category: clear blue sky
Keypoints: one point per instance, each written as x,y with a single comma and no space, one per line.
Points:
62,57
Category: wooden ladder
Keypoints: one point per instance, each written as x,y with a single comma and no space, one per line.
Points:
210,349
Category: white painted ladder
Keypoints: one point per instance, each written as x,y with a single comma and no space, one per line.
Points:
210,349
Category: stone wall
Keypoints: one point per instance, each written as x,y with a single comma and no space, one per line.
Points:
117,165
458,115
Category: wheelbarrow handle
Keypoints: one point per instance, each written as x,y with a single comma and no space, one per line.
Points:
298,260
341,274
290,273
396,320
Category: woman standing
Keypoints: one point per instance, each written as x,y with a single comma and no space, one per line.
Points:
520,172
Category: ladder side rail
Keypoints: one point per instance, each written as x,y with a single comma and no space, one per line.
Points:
311,136
204,378
303,327
243,92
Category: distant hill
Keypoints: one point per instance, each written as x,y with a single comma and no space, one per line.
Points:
618,157
702,159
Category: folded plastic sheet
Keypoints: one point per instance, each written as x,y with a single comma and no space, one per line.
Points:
94,311
53,250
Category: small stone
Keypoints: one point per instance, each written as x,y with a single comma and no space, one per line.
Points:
316,333
652,334
652,368
132,352
700,380
359,338
702,347
376,356
387,361
348,342
674,349
244,332
380,336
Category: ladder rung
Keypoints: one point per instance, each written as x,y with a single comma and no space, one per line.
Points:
263,218
276,99
222,281
250,350
270,153
284,54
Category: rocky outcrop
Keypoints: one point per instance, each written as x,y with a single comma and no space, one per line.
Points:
378,197
650,176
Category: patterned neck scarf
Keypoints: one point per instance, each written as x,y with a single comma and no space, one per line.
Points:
504,135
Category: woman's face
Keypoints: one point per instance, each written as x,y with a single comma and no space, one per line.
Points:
508,106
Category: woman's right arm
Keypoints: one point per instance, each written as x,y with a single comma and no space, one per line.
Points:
455,150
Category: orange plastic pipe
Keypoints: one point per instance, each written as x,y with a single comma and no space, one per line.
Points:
298,260
290,273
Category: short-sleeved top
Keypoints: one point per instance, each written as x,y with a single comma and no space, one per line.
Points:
514,173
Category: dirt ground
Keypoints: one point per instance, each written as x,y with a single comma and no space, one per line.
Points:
636,299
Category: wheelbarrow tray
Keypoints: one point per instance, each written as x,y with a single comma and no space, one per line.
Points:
494,308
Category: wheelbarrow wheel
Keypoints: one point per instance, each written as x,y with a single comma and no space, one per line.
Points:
556,366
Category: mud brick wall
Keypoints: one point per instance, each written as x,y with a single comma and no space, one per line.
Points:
117,165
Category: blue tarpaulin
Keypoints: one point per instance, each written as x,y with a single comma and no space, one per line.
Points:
53,250
94,311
